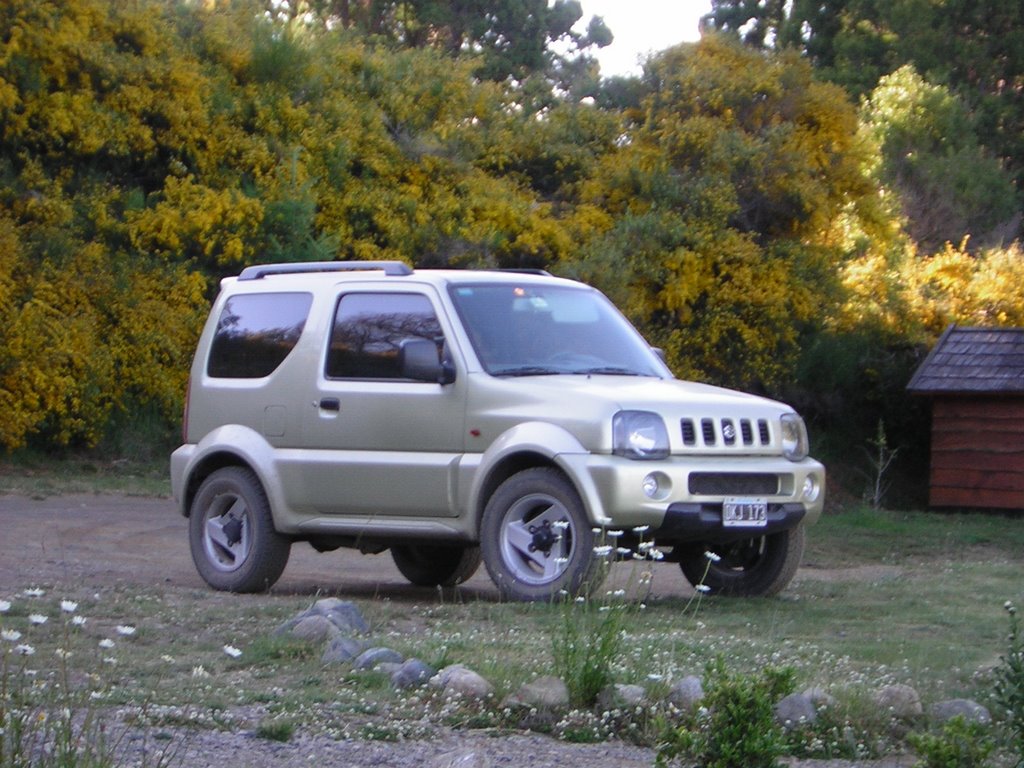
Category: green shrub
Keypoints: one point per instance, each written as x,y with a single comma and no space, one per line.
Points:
735,727
959,745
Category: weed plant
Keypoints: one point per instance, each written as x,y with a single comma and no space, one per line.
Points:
49,709
1009,685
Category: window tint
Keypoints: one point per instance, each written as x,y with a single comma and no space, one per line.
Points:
369,329
256,332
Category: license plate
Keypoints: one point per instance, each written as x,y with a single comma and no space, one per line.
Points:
744,513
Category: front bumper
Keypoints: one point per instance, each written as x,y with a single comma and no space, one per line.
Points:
612,489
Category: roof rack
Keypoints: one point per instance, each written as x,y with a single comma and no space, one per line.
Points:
390,268
526,271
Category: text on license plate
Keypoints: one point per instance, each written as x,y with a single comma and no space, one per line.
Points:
744,513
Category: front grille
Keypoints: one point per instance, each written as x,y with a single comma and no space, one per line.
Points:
725,432
733,484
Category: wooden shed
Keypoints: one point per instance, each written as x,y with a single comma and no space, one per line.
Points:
975,379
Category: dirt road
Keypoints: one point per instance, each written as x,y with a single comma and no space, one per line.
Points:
109,539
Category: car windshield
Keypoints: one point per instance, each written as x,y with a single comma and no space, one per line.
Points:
538,330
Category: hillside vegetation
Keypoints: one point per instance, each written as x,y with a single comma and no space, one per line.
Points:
753,219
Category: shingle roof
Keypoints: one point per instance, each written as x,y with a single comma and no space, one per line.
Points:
973,360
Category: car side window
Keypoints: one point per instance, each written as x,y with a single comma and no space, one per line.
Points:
369,329
255,333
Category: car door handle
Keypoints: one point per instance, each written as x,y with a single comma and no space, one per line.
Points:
330,404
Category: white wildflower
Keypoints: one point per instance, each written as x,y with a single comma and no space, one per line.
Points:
34,592
560,525
10,635
78,621
68,606
37,618
702,588
712,556
106,643
200,671
613,534
62,653
125,630
641,528
603,551
25,650
5,606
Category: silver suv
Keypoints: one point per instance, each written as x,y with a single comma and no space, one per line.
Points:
454,416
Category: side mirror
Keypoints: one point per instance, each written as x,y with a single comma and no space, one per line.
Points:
421,361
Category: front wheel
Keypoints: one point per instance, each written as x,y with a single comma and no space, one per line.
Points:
231,533
436,565
536,539
758,567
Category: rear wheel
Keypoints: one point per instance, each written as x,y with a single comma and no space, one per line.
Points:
436,565
757,567
231,533
536,538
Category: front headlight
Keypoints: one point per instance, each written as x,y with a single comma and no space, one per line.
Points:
795,445
639,435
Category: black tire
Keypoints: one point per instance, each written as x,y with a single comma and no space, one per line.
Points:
536,539
436,565
231,533
758,567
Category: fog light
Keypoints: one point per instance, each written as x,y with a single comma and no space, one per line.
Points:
811,488
650,486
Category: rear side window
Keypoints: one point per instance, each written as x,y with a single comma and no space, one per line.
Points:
369,329
256,332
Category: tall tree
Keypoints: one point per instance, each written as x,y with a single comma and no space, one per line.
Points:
513,39
725,213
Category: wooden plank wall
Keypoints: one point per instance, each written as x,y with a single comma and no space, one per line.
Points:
977,452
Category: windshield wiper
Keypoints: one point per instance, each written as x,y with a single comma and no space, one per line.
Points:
610,370
529,370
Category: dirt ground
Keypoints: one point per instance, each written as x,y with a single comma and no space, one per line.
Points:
107,540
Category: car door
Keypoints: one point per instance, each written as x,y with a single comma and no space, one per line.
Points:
377,443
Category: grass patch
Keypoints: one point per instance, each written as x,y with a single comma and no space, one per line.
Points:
40,476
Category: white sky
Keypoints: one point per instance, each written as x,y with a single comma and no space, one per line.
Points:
642,27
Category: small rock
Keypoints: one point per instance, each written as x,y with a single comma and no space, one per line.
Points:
542,693
344,615
315,629
971,711
687,694
374,657
820,698
411,674
341,649
621,696
457,680
794,711
901,701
